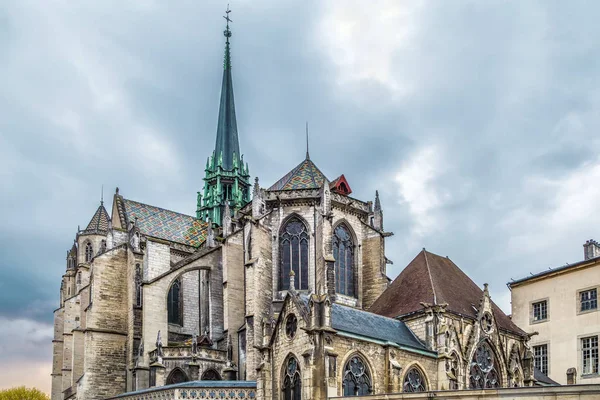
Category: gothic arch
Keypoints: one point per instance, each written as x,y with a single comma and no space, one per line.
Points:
344,221
497,363
291,378
293,247
210,375
455,370
407,379
344,246
175,302
89,251
371,372
177,375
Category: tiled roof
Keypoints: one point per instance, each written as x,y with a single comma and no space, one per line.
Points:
367,324
305,176
99,222
165,224
543,379
433,279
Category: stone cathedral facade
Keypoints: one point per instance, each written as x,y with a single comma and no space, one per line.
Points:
283,285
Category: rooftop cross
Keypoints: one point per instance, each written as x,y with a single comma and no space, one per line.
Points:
227,32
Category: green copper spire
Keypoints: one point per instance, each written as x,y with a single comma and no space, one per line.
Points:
226,180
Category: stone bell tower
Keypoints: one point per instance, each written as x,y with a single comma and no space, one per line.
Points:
226,179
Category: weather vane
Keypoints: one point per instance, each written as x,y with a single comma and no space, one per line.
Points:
227,32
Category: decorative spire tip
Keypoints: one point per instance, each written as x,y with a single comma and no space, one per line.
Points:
307,153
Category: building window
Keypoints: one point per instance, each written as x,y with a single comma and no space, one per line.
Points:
103,246
482,370
138,285
540,310
210,375
589,299
357,379
291,324
79,278
452,367
413,381
89,252
293,251
589,353
343,252
540,358
292,381
174,303
176,376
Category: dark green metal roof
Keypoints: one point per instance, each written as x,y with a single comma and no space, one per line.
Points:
227,145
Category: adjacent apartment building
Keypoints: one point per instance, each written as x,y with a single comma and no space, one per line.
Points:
559,309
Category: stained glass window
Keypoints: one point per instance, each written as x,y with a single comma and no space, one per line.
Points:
176,376
413,381
89,252
293,250
357,379
482,370
343,252
291,324
292,382
174,303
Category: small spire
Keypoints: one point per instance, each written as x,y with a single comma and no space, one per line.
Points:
102,195
377,201
307,153
227,34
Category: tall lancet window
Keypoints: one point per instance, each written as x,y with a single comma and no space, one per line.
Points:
343,252
174,303
89,252
292,381
293,254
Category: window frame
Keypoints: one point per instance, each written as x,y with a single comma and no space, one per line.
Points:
547,346
580,348
303,279
532,305
579,302
353,267
179,282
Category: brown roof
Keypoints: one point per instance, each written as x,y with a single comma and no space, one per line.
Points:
433,279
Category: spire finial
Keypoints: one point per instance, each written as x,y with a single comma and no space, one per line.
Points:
307,154
102,195
227,34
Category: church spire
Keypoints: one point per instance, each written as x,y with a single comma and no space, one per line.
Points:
227,146
227,178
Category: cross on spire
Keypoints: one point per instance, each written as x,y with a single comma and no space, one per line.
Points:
227,32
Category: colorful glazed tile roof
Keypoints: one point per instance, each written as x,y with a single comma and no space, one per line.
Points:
305,176
165,224
99,222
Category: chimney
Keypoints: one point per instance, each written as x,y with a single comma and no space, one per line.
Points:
591,249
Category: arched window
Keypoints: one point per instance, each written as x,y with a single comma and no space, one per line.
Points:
452,371
211,375
79,278
174,303
176,376
293,254
292,381
482,370
414,381
343,252
138,285
103,246
357,379
89,252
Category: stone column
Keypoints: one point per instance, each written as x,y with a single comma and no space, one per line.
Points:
159,373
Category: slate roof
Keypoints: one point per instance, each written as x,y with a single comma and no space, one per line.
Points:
305,175
367,324
433,279
99,221
165,224
543,379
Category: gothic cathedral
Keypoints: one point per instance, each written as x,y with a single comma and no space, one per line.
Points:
282,289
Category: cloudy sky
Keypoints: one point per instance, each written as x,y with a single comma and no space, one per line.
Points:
477,121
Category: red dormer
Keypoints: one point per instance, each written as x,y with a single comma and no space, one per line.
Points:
340,185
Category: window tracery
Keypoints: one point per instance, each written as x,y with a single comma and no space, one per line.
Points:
343,252
357,378
414,381
452,365
482,370
174,303
291,324
292,382
176,376
210,375
89,252
293,251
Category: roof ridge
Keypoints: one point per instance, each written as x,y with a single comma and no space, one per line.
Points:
430,277
162,209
